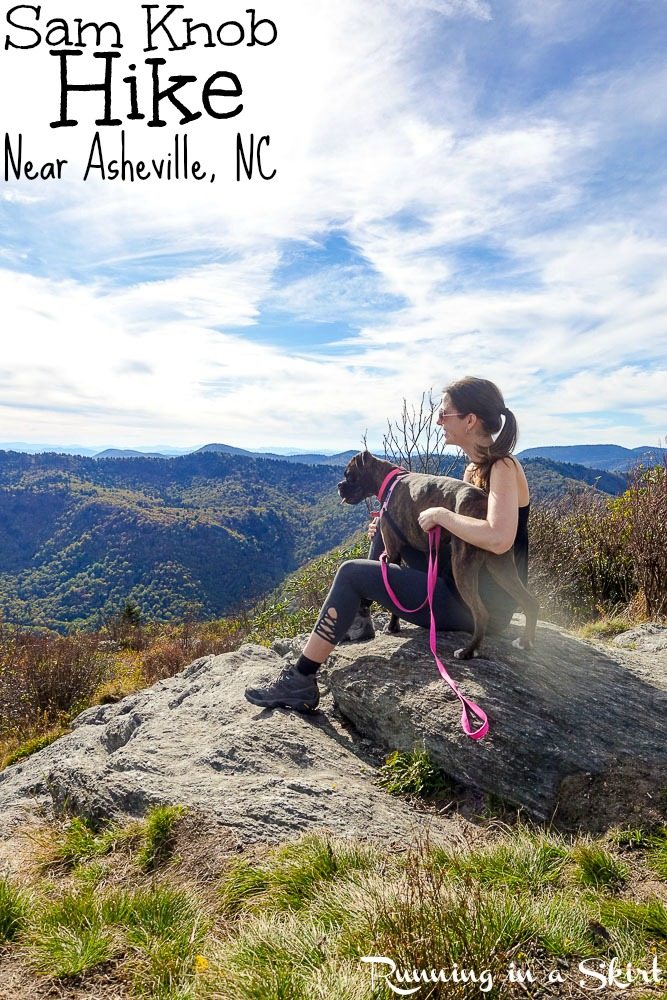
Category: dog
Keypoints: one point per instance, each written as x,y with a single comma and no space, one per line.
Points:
415,492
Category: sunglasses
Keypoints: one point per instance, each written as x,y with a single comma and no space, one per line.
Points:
442,414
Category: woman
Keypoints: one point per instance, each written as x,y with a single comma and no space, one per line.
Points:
472,412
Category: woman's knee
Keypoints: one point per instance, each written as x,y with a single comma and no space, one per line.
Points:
357,576
350,571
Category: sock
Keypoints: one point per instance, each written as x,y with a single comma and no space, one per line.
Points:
307,666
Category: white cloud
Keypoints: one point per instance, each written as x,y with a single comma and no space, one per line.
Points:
398,160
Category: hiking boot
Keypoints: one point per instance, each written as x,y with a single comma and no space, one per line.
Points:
291,689
361,628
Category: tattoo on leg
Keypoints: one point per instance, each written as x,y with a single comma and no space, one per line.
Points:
326,626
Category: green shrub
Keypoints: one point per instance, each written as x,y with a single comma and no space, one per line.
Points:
594,554
412,772
43,678
579,557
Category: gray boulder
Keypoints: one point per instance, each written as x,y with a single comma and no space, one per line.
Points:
571,722
194,740
648,638
577,730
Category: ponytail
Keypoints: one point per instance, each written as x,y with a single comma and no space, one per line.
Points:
502,447
484,399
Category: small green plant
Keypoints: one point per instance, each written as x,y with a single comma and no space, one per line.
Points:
657,855
598,868
69,936
13,910
631,838
412,773
159,830
90,873
650,916
32,746
80,841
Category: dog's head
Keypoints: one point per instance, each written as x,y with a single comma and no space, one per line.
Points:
357,483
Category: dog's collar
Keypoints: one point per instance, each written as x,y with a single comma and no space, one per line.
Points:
393,475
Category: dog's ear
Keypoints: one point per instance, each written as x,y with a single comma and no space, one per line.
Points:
365,456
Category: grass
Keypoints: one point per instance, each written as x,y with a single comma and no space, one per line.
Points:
598,868
530,861
13,910
294,922
78,841
291,875
648,916
657,858
68,935
412,772
164,927
607,627
32,745
159,930
158,836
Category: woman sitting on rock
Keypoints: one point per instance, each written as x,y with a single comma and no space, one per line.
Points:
472,412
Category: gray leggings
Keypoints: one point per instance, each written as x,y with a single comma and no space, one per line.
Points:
359,581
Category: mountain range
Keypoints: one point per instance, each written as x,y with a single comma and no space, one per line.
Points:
201,535
608,457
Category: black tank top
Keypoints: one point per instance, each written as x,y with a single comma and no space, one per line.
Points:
500,605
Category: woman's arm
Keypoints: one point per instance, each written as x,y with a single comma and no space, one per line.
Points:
496,533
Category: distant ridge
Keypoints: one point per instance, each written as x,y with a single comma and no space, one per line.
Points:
608,457
342,458
605,457
128,453
224,449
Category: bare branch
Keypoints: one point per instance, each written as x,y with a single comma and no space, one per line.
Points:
414,440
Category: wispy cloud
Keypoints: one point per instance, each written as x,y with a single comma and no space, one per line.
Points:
426,222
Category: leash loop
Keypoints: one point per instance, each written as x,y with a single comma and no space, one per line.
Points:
468,707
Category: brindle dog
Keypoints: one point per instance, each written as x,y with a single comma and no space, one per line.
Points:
364,475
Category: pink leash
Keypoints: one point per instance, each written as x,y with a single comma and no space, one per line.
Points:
431,580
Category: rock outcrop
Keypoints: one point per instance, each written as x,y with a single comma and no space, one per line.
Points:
572,723
577,729
194,740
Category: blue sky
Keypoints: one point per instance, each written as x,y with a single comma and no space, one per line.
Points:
463,187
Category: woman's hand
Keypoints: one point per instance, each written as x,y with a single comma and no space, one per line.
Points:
372,528
433,517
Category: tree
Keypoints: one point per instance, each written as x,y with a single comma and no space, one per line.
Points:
130,616
414,441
